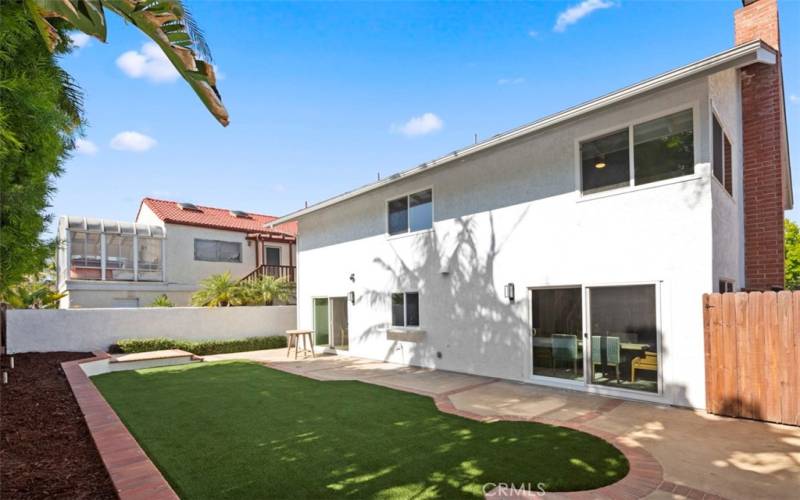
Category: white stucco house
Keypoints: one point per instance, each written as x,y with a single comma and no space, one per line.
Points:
572,251
169,248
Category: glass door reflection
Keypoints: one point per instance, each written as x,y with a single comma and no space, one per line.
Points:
624,337
556,326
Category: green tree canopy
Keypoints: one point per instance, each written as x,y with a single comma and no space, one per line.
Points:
40,114
791,255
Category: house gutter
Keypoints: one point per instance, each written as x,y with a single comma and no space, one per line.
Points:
742,55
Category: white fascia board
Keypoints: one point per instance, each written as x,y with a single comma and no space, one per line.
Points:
742,55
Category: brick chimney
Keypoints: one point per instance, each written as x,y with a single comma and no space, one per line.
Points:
763,144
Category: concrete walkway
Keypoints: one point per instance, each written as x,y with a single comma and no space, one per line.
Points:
700,454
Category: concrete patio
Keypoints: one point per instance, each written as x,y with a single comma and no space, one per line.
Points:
701,455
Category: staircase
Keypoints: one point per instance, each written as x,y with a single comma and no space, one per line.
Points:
286,272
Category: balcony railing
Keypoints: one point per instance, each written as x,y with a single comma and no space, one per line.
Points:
286,272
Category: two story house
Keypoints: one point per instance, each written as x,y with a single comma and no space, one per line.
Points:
168,250
573,251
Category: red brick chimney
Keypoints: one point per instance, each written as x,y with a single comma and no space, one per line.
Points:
763,144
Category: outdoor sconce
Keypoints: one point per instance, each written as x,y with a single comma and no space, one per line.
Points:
351,296
508,292
353,277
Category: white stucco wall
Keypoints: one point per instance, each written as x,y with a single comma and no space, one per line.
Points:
514,214
96,329
728,215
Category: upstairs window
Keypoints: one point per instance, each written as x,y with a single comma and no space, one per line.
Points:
405,309
150,259
411,213
217,251
605,162
662,149
119,256
85,250
721,156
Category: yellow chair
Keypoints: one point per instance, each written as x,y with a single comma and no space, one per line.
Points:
647,362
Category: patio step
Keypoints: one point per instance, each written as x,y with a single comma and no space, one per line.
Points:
152,359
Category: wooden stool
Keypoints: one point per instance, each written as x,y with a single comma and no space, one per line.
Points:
292,337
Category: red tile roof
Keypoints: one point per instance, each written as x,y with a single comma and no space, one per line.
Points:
216,218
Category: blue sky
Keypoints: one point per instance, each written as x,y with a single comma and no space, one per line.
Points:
323,96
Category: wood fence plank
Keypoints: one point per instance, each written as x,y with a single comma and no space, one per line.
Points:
730,397
743,352
753,367
794,363
786,353
707,351
715,333
772,349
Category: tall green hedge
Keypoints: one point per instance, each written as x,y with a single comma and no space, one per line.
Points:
201,347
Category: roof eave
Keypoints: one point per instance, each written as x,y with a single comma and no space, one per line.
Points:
742,55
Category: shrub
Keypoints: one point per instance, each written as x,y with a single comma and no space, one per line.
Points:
202,347
162,301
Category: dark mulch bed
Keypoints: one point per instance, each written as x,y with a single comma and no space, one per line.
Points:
46,450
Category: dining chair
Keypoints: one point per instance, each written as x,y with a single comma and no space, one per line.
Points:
611,349
565,349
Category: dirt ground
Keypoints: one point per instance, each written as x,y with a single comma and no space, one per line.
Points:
46,450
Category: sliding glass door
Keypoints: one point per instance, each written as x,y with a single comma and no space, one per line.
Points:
615,345
624,337
557,323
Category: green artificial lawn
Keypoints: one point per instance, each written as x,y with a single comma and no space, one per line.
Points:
242,430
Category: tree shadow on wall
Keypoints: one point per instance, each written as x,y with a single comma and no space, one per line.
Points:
475,326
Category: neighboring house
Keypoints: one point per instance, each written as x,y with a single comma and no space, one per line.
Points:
168,250
573,251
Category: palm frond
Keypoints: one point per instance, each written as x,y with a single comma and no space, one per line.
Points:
166,22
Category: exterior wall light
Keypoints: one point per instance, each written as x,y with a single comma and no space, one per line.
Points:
351,296
508,292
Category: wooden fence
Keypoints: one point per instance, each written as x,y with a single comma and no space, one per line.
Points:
752,355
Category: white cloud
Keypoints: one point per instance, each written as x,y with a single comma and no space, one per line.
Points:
533,34
794,98
80,40
218,73
511,81
149,63
420,125
577,12
279,188
132,141
85,146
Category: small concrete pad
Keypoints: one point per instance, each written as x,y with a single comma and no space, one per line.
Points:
429,381
151,355
511,398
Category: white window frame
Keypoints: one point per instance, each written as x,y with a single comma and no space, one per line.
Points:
194,251
712,113
585,385
405,310
629,125
406,195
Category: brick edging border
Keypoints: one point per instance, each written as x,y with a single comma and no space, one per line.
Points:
134,476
